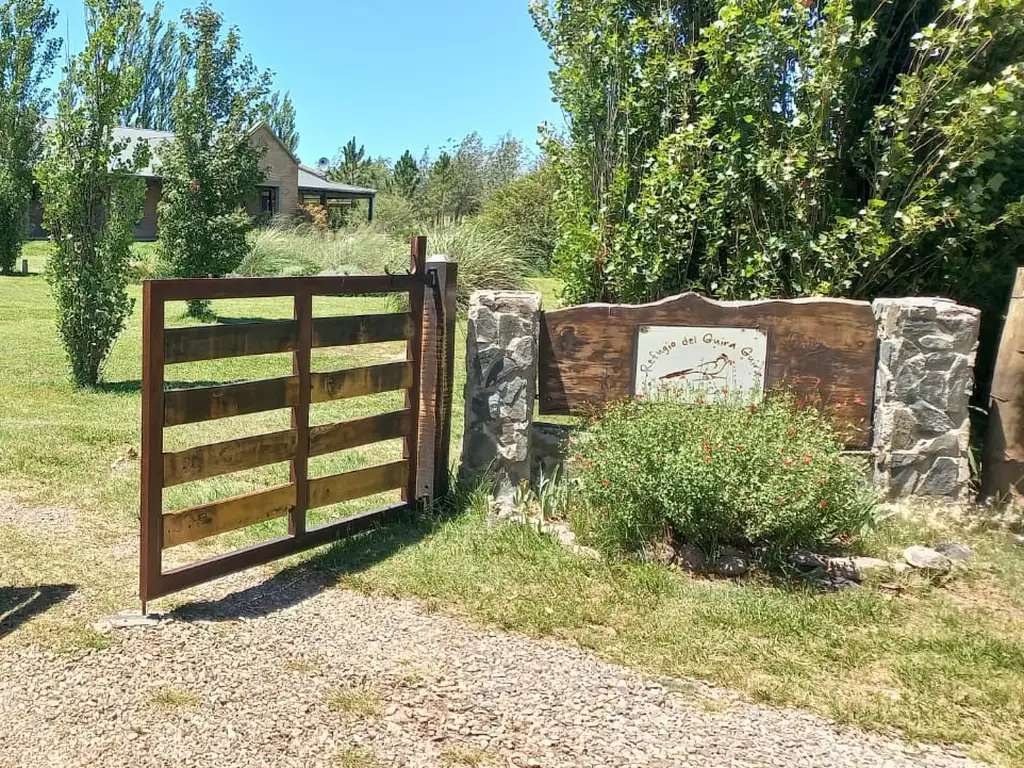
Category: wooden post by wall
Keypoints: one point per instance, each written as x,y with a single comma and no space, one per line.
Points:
436,382
1003,467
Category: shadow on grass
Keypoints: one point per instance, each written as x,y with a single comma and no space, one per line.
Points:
134,386
316,574
19,604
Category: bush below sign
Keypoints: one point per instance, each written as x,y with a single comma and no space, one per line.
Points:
724,474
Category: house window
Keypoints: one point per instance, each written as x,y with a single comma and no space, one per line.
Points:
268,200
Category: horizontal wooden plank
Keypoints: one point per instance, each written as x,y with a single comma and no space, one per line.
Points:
324,491
189,288
355,382
213,342
207,520
217,459
328,438
816,347
187,406
361,329
265,552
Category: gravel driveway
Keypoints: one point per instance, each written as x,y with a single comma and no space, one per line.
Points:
329,677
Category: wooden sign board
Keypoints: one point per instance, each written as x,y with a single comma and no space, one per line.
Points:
817,348
700,364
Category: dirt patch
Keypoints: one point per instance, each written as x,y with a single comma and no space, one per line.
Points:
13,511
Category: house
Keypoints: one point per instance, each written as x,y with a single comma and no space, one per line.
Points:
287,183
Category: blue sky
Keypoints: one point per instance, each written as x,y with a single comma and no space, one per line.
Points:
397,74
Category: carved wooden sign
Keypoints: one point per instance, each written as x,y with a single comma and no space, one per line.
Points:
594,354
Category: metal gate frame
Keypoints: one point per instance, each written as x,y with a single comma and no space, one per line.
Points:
424,424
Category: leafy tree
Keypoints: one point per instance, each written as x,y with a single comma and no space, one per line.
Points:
91,194
27,55
159,55
523,211
279,114
211,167
752,148
406,176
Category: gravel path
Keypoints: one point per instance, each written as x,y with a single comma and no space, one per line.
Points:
329,677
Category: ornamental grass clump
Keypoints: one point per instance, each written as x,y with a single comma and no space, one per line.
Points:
768,476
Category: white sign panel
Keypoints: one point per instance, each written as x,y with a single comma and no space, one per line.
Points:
701,363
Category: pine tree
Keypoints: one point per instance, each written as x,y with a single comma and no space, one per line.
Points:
406,176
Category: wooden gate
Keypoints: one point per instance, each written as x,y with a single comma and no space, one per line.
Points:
425,375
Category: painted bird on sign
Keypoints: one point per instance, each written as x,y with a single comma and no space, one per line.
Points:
709,369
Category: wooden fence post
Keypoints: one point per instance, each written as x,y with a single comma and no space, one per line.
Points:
1003,468
436,379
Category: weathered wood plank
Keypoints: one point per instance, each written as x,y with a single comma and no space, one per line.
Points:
1003,476
324,491
823,346
217,459
213,342
207,520
187,406
187,288
328,438
361,329
355,382
258,554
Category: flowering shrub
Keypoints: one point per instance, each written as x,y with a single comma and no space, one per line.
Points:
768,475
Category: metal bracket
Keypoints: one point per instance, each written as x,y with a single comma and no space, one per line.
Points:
431,278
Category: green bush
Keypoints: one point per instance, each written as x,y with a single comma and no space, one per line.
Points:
524,211
767,475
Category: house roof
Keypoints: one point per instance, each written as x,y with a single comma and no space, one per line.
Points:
133,136
313,180
154,138
310,179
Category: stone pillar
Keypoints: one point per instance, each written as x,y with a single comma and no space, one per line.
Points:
923,385
501,386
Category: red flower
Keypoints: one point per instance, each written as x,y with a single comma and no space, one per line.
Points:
807,458
640,396
823,503
700,401
779,500
787,462
753,408
739,448
725,390
706,446
707,459
791,432
577,457
606,483
858,400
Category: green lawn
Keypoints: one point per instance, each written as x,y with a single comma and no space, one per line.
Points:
942,663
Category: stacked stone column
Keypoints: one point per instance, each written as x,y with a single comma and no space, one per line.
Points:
501,387
923,386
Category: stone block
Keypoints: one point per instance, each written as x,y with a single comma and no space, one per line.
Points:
501,386
922,388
